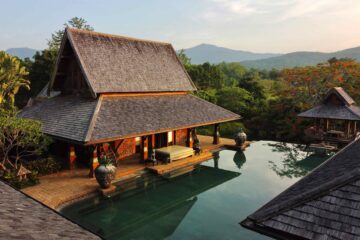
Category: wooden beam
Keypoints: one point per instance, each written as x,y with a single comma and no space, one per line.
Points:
141,94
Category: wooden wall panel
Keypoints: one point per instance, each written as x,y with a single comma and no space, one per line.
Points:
181,137
127,148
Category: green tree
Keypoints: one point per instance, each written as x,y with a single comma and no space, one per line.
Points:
19,139
233,72
12,78
185,60
207,76
75,22
250,82
235,99
40,71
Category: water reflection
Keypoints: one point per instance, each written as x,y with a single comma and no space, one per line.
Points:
239,159
160,205
295,162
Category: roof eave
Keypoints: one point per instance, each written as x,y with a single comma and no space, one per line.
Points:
97,141
251,225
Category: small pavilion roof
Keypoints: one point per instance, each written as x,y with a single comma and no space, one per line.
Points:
24,218
340,92
333,112
347,110
111,117
323,205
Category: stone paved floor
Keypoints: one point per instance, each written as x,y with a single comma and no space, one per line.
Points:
65,186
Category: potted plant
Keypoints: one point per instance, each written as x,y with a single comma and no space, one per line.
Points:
105,172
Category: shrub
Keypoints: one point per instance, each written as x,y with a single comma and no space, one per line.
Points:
44,166
13,179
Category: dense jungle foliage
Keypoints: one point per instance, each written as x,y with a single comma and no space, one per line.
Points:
269,101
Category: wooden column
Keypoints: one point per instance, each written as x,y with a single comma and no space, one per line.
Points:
326,125
72,157
189,138
94,161
145,147
216,134
174,137
355,130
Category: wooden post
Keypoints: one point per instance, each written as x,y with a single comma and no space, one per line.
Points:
145,148
189,138
216,134
94,161
327,125
355,130
72,157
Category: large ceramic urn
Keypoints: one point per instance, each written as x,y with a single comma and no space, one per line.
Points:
104,174
240,138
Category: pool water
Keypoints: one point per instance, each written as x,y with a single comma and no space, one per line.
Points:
207,203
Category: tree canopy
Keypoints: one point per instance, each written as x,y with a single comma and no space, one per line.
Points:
75,22
12,78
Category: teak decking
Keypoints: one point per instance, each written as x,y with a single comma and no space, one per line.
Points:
60,188
179,164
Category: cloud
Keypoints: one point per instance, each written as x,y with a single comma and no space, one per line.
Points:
234,6
302,8
227,10
278,10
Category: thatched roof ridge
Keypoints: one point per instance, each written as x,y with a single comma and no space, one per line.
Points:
325,203
115,36
118,64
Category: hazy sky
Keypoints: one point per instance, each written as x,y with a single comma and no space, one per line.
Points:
254,25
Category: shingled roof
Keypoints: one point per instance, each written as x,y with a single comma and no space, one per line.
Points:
345,111
24,218
112,63
323,205
115,117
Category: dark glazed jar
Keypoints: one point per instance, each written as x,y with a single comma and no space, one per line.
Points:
104,174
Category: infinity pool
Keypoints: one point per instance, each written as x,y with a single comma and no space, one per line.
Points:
207,203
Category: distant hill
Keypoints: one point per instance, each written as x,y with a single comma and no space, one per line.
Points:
22,52
298,59
214,54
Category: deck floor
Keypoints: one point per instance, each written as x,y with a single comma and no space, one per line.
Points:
57,189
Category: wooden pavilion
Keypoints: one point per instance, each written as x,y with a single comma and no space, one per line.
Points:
120,95
335,119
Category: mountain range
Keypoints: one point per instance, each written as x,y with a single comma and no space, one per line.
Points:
214,54
22,52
